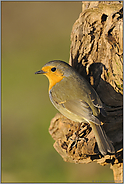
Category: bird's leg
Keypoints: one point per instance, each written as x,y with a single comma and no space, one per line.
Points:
79,135
85,129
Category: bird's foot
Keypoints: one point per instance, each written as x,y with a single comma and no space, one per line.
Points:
79,135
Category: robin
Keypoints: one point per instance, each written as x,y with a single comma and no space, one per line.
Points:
75,98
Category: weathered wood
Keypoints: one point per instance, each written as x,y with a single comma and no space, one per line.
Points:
96,52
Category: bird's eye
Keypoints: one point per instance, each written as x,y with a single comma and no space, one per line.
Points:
53,69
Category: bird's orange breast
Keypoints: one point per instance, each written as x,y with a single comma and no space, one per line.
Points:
54,77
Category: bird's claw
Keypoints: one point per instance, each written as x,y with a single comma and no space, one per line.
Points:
77,138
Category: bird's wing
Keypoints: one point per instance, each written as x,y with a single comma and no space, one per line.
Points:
97,102
81,109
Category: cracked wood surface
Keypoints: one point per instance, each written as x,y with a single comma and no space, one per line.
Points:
96,52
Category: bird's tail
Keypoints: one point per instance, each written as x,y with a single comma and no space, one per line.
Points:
103,142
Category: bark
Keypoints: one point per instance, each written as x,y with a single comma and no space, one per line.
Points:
96,52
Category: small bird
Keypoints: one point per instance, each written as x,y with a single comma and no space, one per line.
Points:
76,99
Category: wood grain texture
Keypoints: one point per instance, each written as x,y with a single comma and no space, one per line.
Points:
96,52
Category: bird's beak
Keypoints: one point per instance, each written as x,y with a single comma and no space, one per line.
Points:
40,72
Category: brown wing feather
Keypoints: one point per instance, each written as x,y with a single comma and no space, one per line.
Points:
97,102
81,109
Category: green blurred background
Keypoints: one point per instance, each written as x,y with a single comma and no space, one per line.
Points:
34,33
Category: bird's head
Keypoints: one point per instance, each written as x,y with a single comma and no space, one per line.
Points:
55,71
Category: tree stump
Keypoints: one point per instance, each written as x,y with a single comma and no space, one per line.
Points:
96,52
